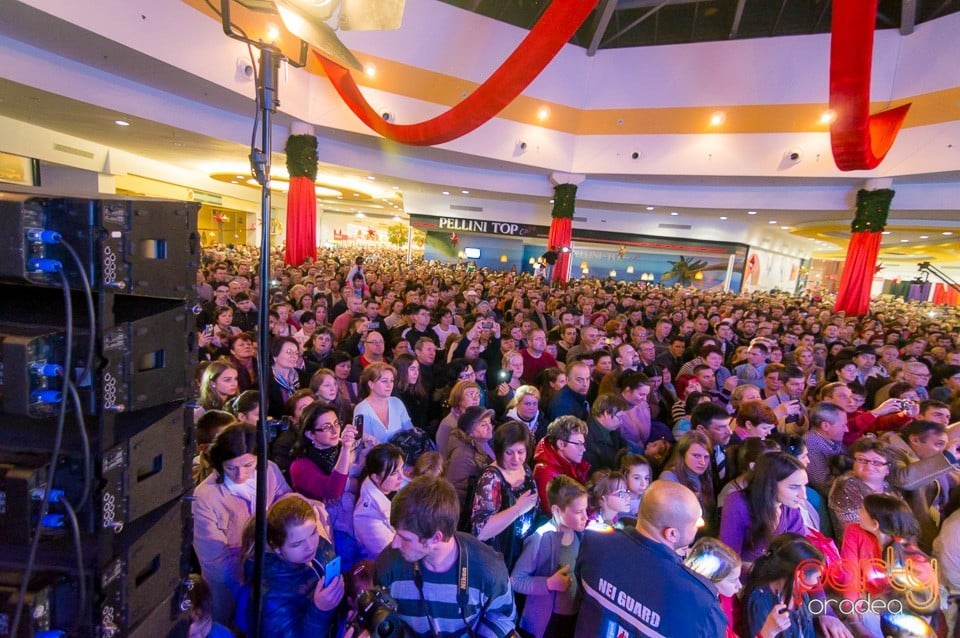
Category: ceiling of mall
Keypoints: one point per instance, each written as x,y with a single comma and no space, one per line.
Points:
918,234
636,23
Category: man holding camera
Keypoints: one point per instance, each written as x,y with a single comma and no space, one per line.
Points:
445,583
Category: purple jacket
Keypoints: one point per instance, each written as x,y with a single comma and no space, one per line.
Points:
735,526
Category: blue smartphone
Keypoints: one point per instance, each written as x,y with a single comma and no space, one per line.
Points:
331,570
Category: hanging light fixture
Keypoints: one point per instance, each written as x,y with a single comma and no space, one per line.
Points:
613,272
503,258
316,23
629,270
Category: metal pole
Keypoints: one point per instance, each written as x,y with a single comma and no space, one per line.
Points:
260,161
409,244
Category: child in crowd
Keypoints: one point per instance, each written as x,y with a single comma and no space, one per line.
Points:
302,585
638,471
609,498
886,523
209,425
553,595
200,599
719,564
428,463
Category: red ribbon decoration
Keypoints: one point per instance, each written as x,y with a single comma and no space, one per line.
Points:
301,221
557,25
859,140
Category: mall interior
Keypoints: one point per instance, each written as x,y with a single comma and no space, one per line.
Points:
689,127
706,121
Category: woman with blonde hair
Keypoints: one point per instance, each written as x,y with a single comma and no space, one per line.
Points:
525,408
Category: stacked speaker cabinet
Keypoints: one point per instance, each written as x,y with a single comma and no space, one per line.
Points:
95,377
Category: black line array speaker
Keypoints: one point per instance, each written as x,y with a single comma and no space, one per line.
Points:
102,284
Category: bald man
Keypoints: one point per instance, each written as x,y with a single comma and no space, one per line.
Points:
634,582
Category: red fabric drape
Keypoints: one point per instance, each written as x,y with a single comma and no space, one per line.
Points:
301,221
858,270
557,25
561,231
859,140
944,296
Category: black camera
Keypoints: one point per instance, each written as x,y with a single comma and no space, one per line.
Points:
376,612
275,428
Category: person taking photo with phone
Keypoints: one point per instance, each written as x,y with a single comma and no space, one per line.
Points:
301,574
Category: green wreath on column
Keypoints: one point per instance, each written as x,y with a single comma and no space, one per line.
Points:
564,200
302,156
873,207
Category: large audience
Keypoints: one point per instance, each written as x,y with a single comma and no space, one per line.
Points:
561,417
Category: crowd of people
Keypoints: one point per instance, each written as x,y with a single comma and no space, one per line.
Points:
503,456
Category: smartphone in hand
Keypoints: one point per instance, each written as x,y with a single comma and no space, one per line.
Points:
331,570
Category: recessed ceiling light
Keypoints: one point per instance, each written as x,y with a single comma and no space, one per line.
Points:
543,113
784,228
122,123
751,212
724,218
886,232
924,236
772,221
903,241
360,215
273,33
465,192
649,207
356,194
370,71
551,201
371,177
674,213
446,192
718,118
827,117
396,188
947,233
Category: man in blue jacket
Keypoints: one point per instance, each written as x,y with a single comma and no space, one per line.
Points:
633,581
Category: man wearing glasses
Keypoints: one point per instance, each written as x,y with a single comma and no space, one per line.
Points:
924,464
561,452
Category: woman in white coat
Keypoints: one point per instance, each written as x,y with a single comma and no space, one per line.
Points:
383,474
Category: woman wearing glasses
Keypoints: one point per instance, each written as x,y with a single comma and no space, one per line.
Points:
465,394
609,498
325,453
326,467
871,466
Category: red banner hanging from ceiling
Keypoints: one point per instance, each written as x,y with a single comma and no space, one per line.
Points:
557,25
859,140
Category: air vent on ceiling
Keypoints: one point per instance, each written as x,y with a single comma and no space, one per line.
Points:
73,151
675,226
470,209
